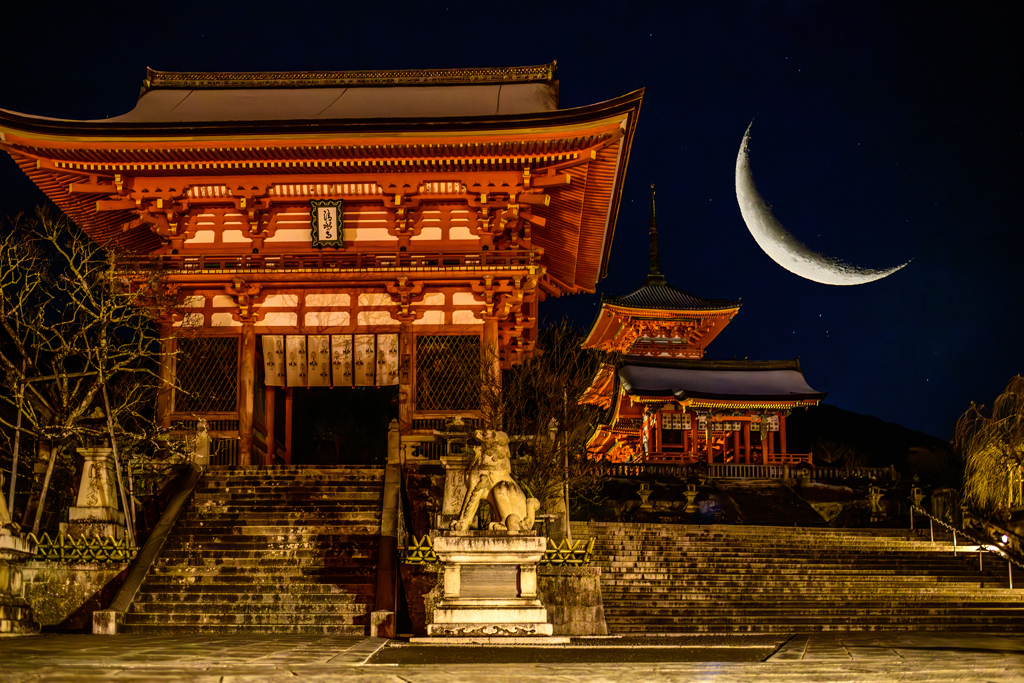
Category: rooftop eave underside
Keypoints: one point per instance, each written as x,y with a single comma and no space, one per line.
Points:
683,395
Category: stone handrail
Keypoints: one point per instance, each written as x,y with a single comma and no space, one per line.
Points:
108,621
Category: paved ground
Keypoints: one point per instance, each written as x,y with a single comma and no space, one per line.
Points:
916,657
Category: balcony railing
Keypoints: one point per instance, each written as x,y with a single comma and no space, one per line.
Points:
332,261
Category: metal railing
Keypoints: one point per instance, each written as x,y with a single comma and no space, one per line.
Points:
981,546
568,554
420,552
565,553
84,550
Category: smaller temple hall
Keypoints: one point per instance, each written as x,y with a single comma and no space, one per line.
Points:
667,404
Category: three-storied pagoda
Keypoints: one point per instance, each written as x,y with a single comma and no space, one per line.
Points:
665,402
342,229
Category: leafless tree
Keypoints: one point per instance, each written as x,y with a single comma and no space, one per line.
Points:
77,332
549,427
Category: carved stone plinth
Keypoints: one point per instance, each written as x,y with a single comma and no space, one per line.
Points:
16,615
96,514
490,587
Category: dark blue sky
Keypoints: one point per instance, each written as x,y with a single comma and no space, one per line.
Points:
884,132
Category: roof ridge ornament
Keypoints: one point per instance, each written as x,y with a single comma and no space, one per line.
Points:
201,80
654,277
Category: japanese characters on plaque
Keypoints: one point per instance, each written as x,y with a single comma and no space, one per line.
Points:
326,223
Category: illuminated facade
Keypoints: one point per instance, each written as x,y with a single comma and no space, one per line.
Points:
340,229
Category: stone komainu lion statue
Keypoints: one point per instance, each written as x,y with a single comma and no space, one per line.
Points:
489,477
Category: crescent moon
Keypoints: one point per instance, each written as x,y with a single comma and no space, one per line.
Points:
782,247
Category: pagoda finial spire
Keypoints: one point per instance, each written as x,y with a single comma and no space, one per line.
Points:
654,277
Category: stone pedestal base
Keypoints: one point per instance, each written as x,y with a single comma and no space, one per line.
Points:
15,613
95,522
490,586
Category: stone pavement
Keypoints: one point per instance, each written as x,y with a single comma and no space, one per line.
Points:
858,656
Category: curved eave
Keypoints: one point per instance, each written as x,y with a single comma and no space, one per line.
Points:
579,257
104,131
608,325
670,313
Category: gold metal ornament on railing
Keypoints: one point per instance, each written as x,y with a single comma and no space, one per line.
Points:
568,554
420,552
83,550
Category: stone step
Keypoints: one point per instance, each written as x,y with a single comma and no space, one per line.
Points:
357,501
278,576
753,568
802,623
330,629
619,528
811,626
282,517
358,590
270,541
337,528
798,603
340,610
725,591
773,613
247,619
305,557
745,544
278,596
713,562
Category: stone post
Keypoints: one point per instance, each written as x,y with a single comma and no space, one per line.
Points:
16,615
96,513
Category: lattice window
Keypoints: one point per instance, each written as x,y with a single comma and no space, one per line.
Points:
207,374
448,372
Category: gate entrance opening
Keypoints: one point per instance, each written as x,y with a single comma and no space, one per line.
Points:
343,425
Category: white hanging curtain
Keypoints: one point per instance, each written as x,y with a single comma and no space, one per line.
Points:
318,360
295,348
366,360
341,359
273,360
387,360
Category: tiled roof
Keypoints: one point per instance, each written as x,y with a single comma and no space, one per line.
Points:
665,296
730,380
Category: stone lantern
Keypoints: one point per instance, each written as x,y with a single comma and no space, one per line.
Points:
96,513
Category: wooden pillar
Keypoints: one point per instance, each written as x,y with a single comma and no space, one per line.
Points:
166,373
491,363
782,434
736,446
246,389
768,448
288,425
268,403
657,432
747,457
406,367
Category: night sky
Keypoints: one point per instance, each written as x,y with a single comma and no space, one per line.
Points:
883,132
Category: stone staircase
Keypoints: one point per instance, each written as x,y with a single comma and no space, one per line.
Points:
275,550
730,579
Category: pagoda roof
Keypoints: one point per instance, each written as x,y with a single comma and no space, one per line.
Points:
180,97
742,381
664,297
233,129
